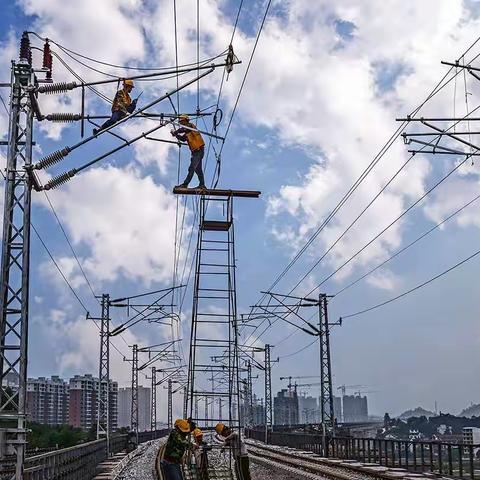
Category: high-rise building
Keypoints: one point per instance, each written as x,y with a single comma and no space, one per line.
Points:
144,408
337,408
285,408
307,409
47,400
471,435
258,414
355,409
83,403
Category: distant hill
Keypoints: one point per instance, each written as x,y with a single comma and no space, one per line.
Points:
471,411
417,412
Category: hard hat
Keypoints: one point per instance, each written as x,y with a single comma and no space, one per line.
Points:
219,428
182,425
183,118
197,433
129,82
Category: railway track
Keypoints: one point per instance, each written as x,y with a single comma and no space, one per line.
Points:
308,465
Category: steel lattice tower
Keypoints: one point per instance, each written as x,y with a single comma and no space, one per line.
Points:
153,424
134,408
214,288
249,399
16,261
169,404
103,394
326,393
268,393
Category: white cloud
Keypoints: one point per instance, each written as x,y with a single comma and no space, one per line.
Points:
124,219
385,280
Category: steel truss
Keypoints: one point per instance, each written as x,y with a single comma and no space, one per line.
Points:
326,393
134,407
15,263
153,423
214,309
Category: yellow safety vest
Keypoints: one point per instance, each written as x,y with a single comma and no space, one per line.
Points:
194,139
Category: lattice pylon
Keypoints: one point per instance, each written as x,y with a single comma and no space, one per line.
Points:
326,393
15,271
103,394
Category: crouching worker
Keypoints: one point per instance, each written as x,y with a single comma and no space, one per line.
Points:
200,449
188,133
175,448
232,440
121,107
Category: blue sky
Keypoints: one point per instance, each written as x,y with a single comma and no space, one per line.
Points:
320,100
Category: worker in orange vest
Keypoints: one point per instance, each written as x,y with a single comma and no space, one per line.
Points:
188,133
122,105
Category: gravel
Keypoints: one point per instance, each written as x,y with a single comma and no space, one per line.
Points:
142,463
260,472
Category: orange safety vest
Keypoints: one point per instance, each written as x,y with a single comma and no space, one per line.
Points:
194,139
121,101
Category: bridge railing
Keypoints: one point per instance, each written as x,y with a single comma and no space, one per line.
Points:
75,463
454,460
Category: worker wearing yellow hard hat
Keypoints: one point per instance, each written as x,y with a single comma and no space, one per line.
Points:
233,440
175,448
200,450
122,105
188,133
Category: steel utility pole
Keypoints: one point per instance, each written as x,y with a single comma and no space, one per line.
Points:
134,410
103,394
169,404
268,393
249,399
326,391
153,424
15,264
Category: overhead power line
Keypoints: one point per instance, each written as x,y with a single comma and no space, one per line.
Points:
398,252
378,305
438,87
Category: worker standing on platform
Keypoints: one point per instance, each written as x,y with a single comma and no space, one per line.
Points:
122,105
232,440
175,449
188,133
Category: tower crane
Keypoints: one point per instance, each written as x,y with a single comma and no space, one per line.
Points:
344,388
297,377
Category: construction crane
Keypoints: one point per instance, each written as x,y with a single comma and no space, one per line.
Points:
296,378
344,388
360,392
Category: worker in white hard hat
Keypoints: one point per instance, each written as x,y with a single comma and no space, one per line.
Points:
188,133
234,441
122,105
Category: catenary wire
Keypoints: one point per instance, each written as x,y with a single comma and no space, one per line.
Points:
417,287
438,87
70,245
413,205
124,67
58,268
403,249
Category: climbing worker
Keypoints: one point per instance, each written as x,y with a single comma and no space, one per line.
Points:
122,105
200,449
188,133
177,444
232,440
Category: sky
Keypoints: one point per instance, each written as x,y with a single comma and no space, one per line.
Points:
320,101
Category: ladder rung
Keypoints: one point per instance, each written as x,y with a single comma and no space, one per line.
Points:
213,273
212,321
